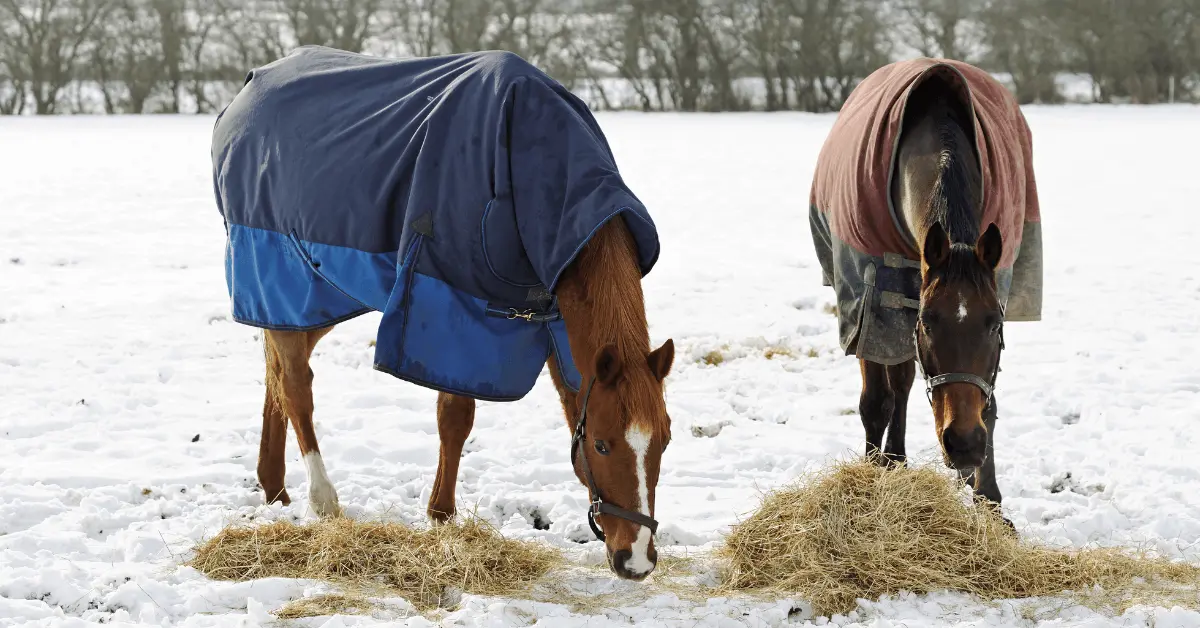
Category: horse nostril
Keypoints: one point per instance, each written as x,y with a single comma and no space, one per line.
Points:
965,450
618,560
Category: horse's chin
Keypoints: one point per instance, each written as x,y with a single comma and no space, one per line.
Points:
963,465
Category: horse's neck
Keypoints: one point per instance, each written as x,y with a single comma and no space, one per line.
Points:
938,179
600,297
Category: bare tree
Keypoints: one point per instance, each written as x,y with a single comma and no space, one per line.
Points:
171,17
13,82
249,34
414,26
1019,36
343,24
49,39
938,28
202,19
763,25
830,46
127,58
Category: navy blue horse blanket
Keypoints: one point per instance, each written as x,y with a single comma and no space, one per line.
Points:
449,193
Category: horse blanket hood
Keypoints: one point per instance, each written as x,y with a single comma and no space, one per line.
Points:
867,256
449,193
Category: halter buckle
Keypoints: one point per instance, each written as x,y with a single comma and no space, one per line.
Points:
593,512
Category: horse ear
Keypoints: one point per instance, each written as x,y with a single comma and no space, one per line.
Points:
608,365
937,246
989,247
660,360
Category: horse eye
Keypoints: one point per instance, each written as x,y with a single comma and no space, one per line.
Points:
601,448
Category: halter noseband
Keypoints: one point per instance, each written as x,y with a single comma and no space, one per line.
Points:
599,506
988,387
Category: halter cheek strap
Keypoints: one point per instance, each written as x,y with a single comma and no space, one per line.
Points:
598,505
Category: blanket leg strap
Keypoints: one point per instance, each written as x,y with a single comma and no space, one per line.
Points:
896,300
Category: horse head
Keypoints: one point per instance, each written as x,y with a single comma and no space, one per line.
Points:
959,338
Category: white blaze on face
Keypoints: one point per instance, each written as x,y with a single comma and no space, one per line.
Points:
962,308
638,438
322,497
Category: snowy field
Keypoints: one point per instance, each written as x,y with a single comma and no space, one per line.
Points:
130,403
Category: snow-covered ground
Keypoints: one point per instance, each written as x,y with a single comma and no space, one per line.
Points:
130,403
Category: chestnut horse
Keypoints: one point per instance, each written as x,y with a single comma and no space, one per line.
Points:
617,454
475,202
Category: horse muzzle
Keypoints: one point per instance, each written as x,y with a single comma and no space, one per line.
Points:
964,451
628,567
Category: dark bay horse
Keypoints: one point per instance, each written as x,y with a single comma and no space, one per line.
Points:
954,165
938,190
474,202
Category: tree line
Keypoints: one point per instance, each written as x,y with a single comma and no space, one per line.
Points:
142,56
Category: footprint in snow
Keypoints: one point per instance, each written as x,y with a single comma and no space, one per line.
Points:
709,431
1066,482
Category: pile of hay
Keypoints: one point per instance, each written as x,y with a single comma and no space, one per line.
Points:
419,565
857,530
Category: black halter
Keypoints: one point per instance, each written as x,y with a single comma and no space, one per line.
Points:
599,506
988,387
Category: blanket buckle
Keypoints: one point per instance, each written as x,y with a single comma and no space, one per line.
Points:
514,314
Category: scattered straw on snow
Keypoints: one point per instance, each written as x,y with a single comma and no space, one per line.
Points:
421,565
324,605
857,530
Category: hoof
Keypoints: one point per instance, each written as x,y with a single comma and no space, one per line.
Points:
439,517
327,511
280,496
324,503
995,508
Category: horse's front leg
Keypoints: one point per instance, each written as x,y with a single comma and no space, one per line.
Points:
875,406
983,478
900,381
456,417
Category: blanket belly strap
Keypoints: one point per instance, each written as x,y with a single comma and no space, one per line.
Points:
532,316
896,300
895,260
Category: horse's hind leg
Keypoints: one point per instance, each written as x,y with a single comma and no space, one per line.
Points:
271,464
291,385
900,380
875,406
456,417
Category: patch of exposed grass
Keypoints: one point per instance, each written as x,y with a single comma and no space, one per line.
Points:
774,351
